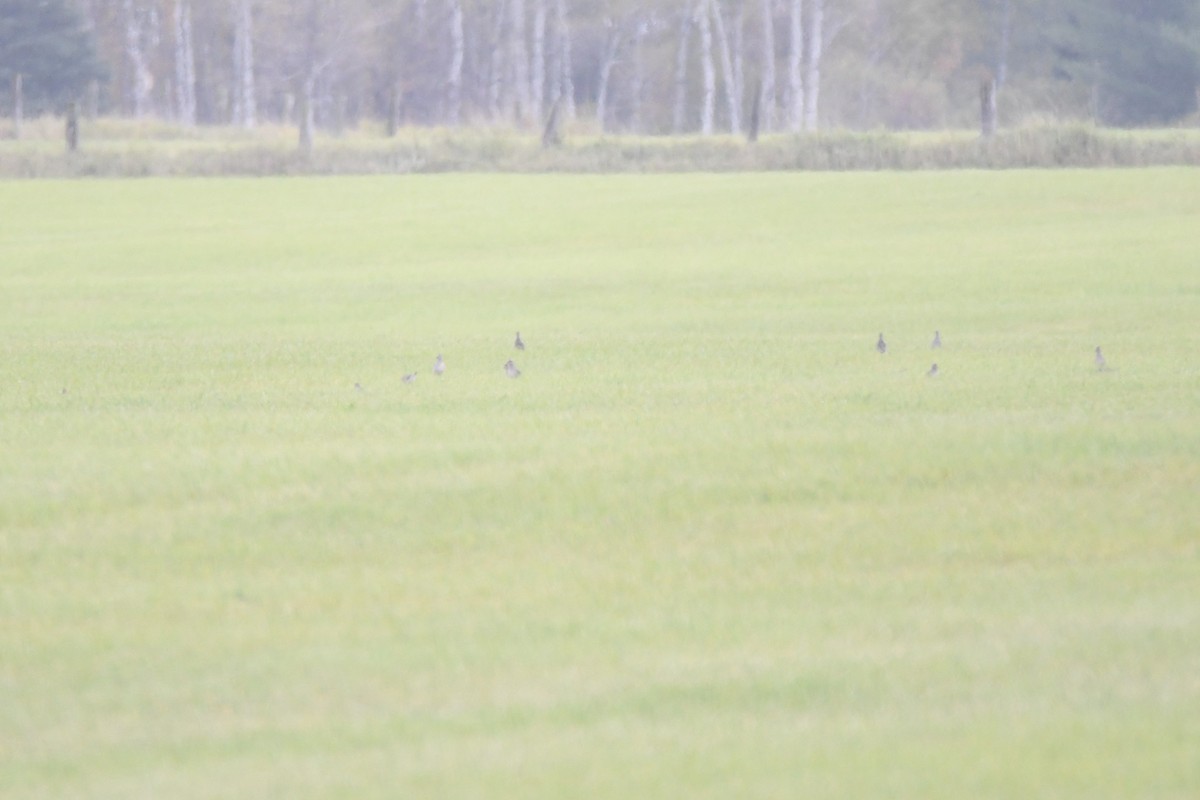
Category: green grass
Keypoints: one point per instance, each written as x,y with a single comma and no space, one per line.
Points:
710,545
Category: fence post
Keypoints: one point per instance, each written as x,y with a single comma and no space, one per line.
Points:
987,107
72,127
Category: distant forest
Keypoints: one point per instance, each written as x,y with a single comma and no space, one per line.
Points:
622,66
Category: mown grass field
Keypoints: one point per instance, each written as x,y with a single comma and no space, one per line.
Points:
709,545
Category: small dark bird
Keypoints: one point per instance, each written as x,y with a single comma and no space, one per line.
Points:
358,387
410,377
439,366
1101,364
881,345
64,390
518,343
510,369
933,371
937,341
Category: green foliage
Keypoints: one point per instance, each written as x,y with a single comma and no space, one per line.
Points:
1141,60
47,42
122,148
709,545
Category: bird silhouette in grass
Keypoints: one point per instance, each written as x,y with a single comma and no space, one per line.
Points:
510,369
410,378
1101,364
937,341
518,343
439,366
933,371
881,345
358,388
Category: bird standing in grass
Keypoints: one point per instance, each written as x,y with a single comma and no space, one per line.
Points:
933,371
510,369
937,341
358,387
410,377
881,345
1101,364
518,343
439,366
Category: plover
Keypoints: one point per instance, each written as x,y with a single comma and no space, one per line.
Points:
881,345
410,377
933,371
518,343
1101,364
937,340
510,369
439,366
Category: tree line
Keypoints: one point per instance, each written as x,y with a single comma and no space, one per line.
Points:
637,66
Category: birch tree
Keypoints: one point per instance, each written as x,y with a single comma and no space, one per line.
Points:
1002,46
638,84
537,61
767,67
140,79
812,63
518,61
185,65
795,48
564,84
454,78
679,118
245,100
708,104
496,82
733,95
612,47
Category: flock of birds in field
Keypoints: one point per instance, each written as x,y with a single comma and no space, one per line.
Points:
511,370
439,366
936,344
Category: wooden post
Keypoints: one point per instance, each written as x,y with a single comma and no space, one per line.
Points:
72,127
550,134
394,101
17,106
987,107
755,111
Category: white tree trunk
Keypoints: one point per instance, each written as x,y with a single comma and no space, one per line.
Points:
537,66
519,60
245,100
565,84
1002,55
185,65
308,124
611,48
706,62
681,64
140,79
766,108
795,48
738,43
455,77
638,89
812,64
732,95
496,71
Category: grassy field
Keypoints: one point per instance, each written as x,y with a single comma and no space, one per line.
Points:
709,545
